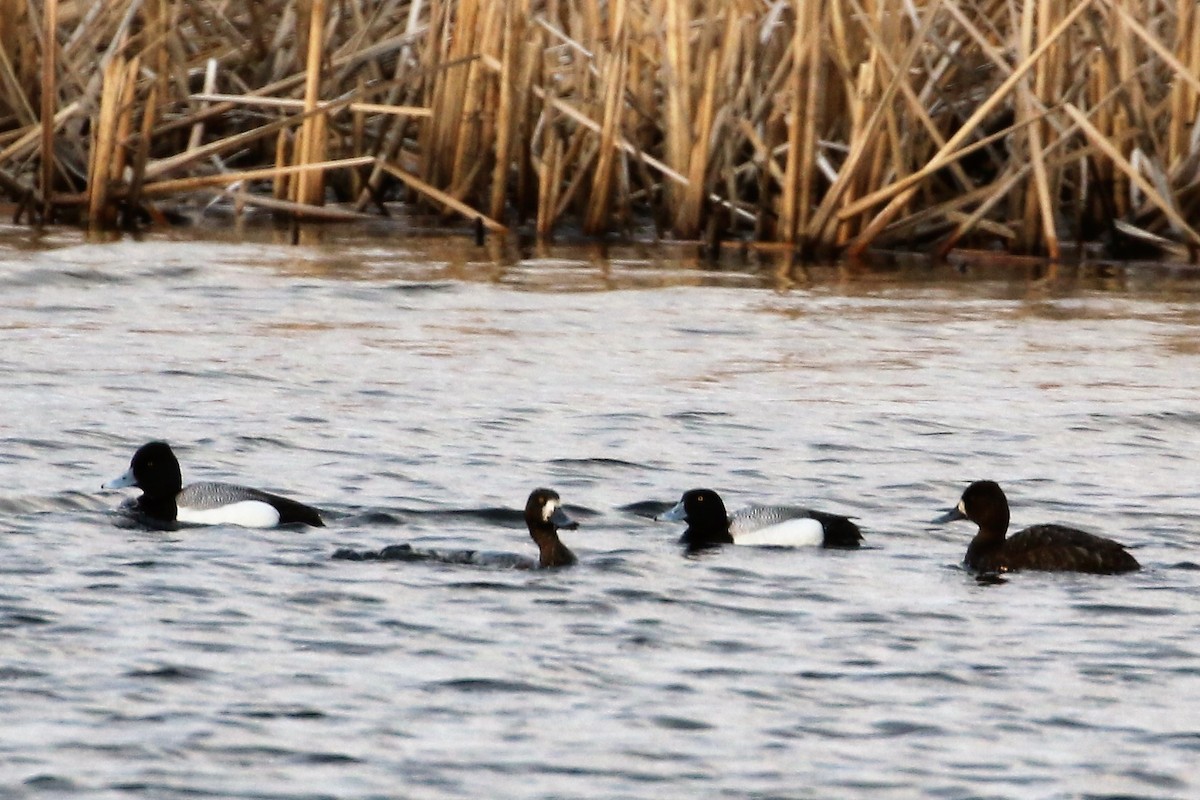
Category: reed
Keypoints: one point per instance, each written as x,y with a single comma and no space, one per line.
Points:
829,126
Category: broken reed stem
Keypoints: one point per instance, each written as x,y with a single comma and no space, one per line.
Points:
827,123
614,73
49,98
310,148
105,143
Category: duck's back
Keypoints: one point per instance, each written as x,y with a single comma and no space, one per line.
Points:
406,552
792,526
211,502
1053,548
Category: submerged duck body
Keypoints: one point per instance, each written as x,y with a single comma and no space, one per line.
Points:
1051,548
165,501
544,517
709,524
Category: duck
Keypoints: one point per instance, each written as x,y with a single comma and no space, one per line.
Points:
544,517
1051,548
709,524
166,502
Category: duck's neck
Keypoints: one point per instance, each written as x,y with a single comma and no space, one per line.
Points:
987,540
703,535
552,552
161,508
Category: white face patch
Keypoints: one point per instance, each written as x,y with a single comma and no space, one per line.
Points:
962,507
549,509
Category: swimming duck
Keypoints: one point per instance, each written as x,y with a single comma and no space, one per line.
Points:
544,516
165,501
783,526
1042,547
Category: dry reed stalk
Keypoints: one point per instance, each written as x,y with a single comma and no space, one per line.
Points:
689,212
790,191
549,175
32,135
124,120
572,169
1180,95
676,69
1002,188
13,46
513,33
142,152
281,183
1148,189
596,216
828,122
561,107
164,188
104,142
358,140
879,36
286,103
1037,203
525,118
834,202
896,199
156,18
474,128
196,136
299,210
439,196
451,40
311,144
813,74
49,96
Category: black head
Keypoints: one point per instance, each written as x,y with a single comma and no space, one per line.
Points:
705,515
983,503
153,469
545,517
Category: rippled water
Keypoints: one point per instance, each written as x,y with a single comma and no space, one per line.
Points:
418,388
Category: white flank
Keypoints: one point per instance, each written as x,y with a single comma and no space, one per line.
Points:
247,513
800,532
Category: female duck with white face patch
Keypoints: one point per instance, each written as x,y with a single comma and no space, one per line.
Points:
544,517
710,525
1053,548
165,502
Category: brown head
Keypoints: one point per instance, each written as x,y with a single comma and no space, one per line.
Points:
545,517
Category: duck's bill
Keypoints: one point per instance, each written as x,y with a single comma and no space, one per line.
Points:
950,516
120,483
675,514
560,520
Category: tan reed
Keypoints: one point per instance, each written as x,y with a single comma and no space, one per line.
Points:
829,126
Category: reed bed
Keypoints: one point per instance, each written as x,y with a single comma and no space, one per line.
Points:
822,125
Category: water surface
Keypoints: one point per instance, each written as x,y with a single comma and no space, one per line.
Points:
417,388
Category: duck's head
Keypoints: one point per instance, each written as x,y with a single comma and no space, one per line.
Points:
984,503
153,469
698,508
544,510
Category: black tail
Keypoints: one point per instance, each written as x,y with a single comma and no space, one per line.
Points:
292,512
839,531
